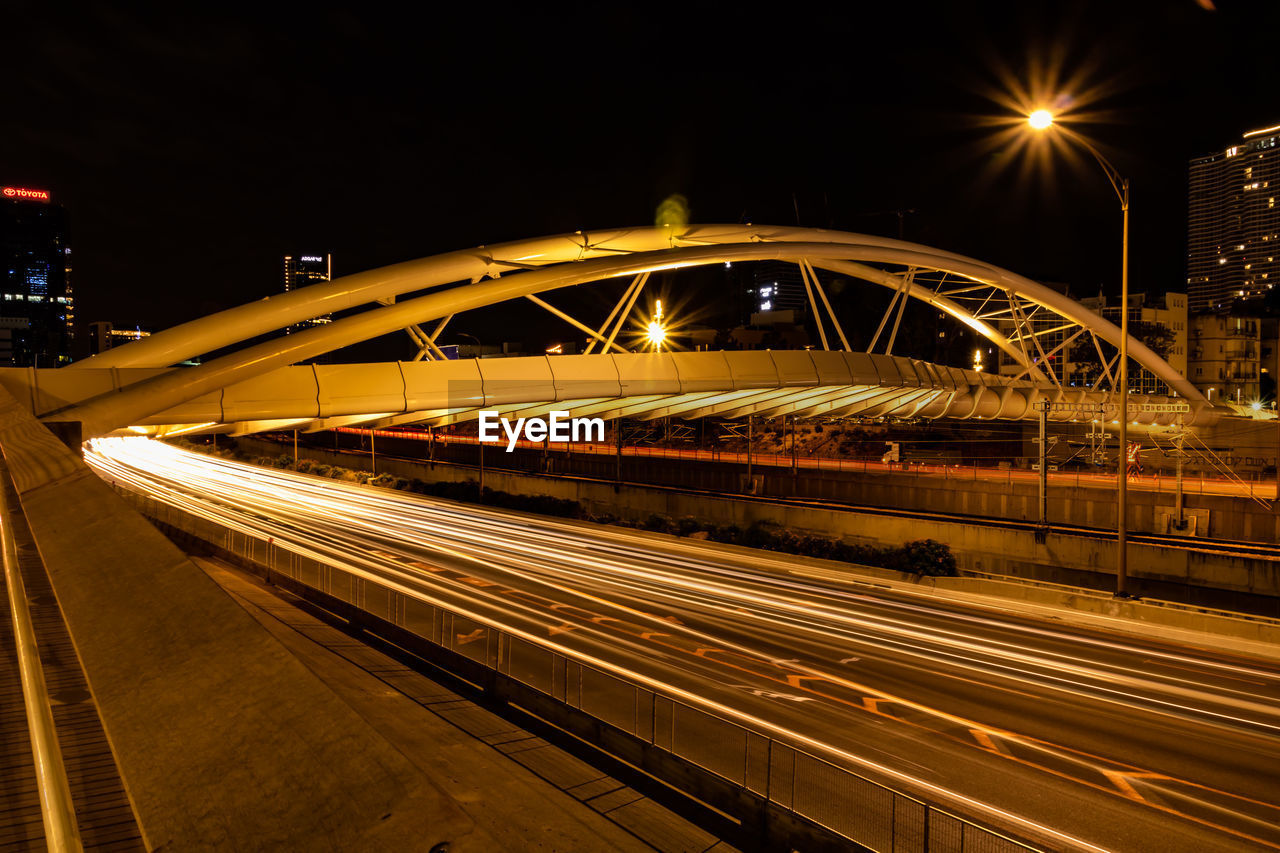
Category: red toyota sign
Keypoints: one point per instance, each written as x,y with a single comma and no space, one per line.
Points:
23,192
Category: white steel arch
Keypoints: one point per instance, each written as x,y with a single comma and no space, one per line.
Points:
978,294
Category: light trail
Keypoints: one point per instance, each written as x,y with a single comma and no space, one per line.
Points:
696,622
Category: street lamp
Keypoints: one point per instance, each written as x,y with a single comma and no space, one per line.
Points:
656,332
1041,120
479,345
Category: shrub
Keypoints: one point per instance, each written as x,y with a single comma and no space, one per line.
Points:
761,534
925,557
686,525
659,524
731,534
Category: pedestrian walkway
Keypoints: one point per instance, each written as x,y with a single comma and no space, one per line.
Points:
524,791
103,812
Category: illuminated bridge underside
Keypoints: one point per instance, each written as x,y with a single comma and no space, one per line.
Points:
137,384
633,385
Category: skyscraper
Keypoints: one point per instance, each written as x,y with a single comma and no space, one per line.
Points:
35,277
1233,223
776,286
302,270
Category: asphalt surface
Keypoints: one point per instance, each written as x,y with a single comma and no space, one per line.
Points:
1070,738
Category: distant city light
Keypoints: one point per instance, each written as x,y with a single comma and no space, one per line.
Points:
23,192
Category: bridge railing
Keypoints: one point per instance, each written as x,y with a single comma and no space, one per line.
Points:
752,763
57,811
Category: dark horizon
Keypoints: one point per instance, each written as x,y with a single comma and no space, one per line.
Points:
192,153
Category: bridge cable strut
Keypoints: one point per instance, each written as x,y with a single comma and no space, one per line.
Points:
806,264
907,281
813,306
638,286
626,295
570,320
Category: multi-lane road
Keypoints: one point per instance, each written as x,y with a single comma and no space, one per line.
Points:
1073,738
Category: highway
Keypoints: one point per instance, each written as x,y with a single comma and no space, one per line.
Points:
1070,738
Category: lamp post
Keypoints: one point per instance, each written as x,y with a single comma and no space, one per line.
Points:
473,337
1042,120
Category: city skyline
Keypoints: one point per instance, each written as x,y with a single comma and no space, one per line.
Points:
886,137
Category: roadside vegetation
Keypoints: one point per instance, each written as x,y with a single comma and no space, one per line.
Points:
924,557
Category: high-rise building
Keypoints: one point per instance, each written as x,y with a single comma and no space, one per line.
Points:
776,286
35,278
302,270
1233,223
1226,357
1160,322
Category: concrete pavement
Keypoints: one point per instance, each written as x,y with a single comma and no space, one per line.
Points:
524,792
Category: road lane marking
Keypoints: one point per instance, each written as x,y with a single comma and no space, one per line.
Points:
1203,672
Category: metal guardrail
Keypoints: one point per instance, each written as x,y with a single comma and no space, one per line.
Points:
61,831
837,799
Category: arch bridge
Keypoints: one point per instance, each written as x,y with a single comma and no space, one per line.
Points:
263,386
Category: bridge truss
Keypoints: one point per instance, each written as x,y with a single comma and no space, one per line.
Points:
261,385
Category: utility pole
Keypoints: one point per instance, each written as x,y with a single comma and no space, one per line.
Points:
1178,441
795,468
373,455
1043,530
618,457
1122,504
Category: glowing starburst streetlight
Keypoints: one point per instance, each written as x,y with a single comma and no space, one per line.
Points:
656,332
1040,119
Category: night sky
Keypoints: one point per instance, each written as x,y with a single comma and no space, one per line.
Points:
193,146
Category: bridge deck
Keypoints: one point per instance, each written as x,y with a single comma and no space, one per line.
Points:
103,812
